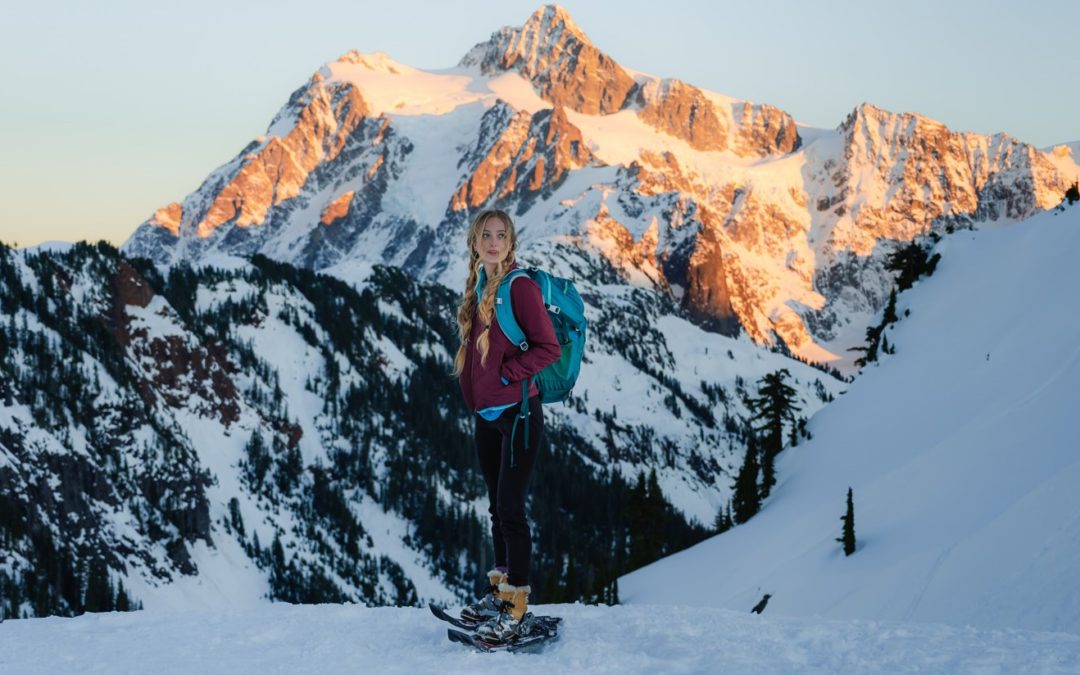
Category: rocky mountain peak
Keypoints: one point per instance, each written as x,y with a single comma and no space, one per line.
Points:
871,119
550,22
553,53
378,61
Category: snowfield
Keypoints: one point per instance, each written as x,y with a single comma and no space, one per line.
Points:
962,452
623,639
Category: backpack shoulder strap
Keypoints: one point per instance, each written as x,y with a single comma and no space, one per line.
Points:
504,313
543,280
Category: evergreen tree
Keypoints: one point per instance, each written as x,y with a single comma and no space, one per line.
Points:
848,538
773,407
1073,193
722,522
571,577
911,262
123,602
746,501
99,592
655,511
640,520
258,460
235,518
889,315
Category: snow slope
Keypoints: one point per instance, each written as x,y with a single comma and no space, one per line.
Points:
337,639
962,452
1066,159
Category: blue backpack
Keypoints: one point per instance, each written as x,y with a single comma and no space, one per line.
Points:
567,313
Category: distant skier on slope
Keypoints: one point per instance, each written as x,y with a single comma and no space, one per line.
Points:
496,378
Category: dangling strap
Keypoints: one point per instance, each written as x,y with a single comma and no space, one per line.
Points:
523,414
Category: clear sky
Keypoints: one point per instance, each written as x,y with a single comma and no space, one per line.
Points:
112,109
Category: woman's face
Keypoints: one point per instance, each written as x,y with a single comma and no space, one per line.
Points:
493,244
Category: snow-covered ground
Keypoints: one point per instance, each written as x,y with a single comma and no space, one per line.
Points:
962,451
626,639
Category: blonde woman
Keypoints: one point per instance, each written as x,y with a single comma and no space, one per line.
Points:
492,371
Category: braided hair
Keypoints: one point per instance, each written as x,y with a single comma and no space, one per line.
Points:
482,308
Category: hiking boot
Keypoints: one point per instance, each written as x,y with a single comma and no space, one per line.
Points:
514,620
488,606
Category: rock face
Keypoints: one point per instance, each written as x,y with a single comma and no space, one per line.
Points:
764,129
898,177
903,173
531,156
745,129
752,224
277,171
556,56
568,71
338,208
243,204
683,111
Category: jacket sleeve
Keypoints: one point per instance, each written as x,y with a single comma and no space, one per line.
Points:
533,318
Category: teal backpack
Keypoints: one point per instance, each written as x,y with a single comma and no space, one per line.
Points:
567,313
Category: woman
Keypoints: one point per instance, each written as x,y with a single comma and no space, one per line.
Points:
491,372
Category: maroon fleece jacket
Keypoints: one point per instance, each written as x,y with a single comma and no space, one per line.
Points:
481,384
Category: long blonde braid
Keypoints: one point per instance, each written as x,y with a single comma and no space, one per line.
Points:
485,307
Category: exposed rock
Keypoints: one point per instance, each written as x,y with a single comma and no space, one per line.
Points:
185,375
763,130
686,112
278,170
925,173
708,297
169,217
338,208
556,56
683,111
531,154
130,287
765,240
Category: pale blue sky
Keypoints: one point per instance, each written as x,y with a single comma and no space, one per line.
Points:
112,109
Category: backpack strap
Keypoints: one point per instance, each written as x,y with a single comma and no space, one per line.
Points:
504,313
522,416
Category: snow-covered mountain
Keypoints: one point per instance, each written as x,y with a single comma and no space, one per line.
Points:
749,220
227,425
250,429
961,451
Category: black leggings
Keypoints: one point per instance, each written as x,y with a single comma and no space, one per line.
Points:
508,485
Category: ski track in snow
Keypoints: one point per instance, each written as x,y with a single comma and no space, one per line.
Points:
283,638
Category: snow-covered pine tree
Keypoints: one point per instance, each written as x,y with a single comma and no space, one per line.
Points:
848,537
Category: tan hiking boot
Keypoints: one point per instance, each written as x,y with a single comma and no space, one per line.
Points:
517,597
510,623
489,605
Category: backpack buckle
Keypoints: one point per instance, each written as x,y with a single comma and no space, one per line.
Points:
523,346
554,309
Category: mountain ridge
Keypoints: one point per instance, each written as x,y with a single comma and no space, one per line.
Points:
785,238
